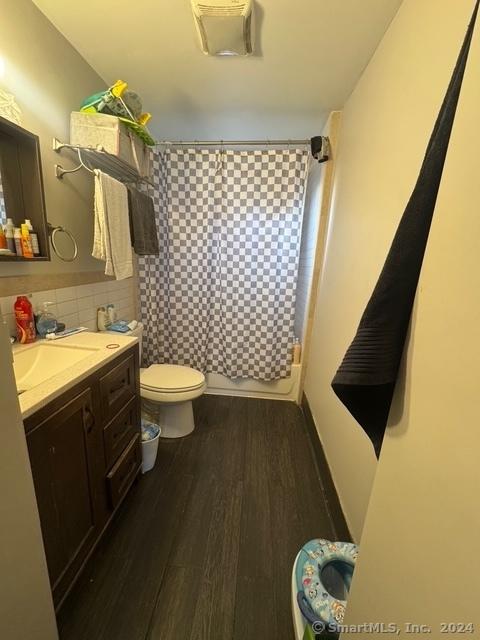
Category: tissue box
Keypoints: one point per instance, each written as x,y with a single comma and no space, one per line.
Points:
94,130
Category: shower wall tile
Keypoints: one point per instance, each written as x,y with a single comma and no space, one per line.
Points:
66,308
6,304
10,322
85,303
84,291
44,296
70,319
66,294
85,315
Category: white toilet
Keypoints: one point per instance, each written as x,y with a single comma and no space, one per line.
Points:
167,391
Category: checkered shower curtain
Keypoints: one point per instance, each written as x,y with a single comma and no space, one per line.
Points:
220,297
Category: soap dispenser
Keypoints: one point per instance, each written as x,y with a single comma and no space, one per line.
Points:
46,321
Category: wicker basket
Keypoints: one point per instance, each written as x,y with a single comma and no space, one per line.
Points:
98,130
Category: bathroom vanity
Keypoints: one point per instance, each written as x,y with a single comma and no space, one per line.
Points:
84,447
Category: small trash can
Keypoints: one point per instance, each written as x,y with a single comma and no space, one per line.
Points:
150,435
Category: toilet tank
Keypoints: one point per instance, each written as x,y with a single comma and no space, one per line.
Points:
136,333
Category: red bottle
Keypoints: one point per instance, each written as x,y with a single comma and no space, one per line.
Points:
24,320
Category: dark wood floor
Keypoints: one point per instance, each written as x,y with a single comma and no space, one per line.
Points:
203,546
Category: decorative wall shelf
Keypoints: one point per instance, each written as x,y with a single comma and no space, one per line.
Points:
91,159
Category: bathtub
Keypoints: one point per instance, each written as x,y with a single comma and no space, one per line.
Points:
284,389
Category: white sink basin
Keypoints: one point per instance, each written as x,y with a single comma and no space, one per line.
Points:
34,364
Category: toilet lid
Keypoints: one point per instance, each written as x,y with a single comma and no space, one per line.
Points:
169,378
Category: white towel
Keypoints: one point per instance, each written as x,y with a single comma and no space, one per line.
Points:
111,238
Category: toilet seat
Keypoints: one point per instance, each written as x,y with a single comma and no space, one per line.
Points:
314,600
171,383
171,378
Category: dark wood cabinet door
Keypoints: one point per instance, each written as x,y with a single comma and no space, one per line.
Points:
63,457
73,441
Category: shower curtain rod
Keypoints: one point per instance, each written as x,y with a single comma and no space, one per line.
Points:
216,143
319,145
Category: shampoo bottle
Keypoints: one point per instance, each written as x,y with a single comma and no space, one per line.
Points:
111,313
9,231
17,237
3,240
24,320
33,238
27,251
297,351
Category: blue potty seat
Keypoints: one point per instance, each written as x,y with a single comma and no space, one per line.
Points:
314,600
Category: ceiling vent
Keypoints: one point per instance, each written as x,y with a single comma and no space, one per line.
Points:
224,26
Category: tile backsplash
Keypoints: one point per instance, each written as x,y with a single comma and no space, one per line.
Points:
77,306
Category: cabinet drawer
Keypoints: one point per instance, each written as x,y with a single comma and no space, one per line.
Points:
119,431
117,387
124,471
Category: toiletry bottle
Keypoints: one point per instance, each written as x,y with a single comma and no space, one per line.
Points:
33,238
26,244
24,320
297,351
102,319
9,231
111,313
17,236
46,321
3,240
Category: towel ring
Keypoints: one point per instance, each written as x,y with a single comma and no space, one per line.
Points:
53,232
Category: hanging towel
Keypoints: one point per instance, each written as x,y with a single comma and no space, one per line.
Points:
366,378
143,230
111,238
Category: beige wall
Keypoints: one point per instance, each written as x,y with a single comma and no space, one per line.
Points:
26,609
417,555
49,79
423,519
386,125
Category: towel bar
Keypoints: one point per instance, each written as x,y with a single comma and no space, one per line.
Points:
91,159
52,231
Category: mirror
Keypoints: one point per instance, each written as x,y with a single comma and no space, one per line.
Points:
21,184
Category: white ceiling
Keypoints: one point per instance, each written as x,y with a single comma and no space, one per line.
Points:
310,53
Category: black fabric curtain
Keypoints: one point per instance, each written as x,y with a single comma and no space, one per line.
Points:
365,380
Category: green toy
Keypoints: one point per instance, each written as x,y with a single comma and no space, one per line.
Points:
126,105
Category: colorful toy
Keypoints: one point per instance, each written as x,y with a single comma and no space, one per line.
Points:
118,101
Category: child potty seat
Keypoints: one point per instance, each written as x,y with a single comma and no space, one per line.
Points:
312,594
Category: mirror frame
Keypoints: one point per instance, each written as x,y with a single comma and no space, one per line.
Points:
22,184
